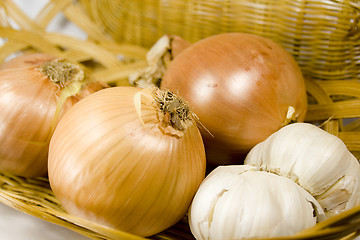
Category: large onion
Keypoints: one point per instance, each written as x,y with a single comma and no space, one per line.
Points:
242,87
132,169
30,89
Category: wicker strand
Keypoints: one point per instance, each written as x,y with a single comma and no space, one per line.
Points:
323,36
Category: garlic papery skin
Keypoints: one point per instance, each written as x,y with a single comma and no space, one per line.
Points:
239,201
317,160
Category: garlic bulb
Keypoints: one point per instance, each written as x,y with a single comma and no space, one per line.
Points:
317,160
240,201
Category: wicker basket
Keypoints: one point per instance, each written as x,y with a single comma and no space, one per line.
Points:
333,102
323,36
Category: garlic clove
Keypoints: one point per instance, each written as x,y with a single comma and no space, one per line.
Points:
344,194
236,202
318,161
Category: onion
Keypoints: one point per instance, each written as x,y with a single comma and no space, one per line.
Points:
32,90
130,168
242,87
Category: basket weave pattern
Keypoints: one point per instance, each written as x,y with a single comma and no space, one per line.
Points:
327,48
323,36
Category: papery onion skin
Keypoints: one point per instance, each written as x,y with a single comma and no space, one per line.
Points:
28,101
241,87
105,166
178,45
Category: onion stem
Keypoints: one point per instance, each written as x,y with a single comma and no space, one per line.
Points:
175,110
66,76
62,73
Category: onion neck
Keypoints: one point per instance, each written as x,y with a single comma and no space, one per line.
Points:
158,57
173,112
67,77
62,73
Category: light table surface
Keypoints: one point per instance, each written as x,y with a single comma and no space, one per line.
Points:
15,225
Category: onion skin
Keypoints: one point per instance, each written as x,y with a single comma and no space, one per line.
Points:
178,45
241,87
28,101
105,166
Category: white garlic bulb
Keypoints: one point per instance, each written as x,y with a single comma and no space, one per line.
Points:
235,202
315,159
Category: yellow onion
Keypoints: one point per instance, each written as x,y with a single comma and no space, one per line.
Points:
128,158
31,90
242,87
